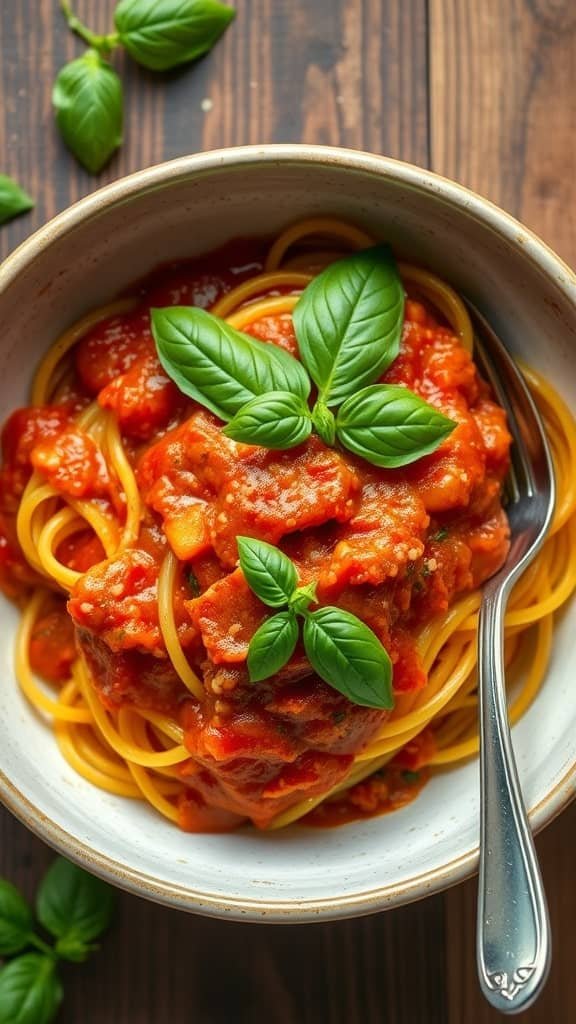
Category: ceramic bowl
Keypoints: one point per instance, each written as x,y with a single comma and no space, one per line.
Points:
83,258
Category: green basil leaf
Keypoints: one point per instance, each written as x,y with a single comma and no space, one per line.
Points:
323,420
348,322
13,199
347,655
272,646
16,922
278,420
161,34
390,426
30,992
268,571
72,904
303,597
87,98
218,366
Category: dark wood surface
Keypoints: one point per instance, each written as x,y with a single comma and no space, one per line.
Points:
482,92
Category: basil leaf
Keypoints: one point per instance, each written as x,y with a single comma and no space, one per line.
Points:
16,922
73,905
268,571
164,33
13,199
390,426
348,656
278,420
30,992
217,365
272,646
87,98
348,322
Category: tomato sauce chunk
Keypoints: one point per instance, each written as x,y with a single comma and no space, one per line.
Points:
111,348
72,464
118,600
52,646
23,430
258,750
248,490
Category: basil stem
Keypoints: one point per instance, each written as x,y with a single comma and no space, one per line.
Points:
103,44
323,420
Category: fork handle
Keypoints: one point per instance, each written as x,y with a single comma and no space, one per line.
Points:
513,931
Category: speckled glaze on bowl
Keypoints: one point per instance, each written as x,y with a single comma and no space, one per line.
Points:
81,259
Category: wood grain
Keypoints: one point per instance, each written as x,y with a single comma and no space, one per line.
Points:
502,86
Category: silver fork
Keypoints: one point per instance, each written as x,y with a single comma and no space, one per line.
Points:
513,930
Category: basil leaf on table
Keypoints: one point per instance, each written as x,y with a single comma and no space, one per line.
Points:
277,420
165,33
16,922
30,992
219,366
13,199
348,322
268,571
390,426
87,98
347,655
73,905
272,646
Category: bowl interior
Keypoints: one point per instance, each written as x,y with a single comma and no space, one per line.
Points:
184,209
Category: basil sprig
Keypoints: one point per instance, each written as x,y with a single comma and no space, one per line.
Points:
158,34
13,199
348,325
341,649
72,906
87,98
165,33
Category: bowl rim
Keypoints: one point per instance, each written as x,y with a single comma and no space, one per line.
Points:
160,176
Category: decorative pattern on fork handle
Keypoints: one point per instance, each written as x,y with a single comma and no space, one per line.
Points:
509,984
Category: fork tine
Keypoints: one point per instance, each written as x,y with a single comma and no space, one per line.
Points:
530,455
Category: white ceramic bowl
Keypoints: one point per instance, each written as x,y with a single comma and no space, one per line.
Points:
81,259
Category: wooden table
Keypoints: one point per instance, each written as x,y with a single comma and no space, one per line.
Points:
482,92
